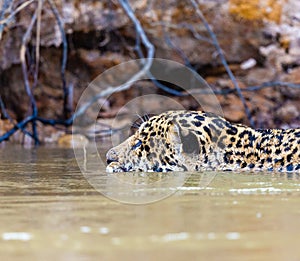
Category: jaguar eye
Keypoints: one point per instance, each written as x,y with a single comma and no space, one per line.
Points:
137,144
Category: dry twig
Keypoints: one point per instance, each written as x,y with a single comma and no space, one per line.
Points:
144,70
223,60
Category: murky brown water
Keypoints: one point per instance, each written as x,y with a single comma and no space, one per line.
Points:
50,212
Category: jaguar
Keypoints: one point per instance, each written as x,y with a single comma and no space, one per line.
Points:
200,141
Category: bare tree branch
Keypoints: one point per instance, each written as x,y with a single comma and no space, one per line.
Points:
272,84
7,116
28,89
6,21
144,70
223,60
38,40
4,8
249,88
66,108
19,126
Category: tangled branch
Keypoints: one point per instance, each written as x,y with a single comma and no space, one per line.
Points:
143,49
144,70
223,60
33,118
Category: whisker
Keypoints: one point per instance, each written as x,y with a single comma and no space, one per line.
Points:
135,125
140,117
146,117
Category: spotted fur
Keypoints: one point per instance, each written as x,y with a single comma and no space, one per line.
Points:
195,141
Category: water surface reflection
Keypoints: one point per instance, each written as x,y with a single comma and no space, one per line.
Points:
49,210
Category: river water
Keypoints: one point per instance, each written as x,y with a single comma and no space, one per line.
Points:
50,211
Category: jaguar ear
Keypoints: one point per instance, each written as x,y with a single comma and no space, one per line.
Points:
174,134
184,138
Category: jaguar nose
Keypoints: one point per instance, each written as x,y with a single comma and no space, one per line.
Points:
111,156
